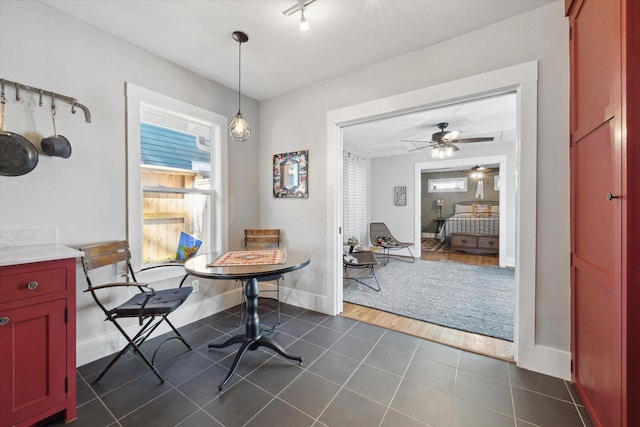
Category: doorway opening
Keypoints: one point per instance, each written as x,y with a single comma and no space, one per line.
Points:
520,79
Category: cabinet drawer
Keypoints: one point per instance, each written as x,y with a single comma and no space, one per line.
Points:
488,242
464,241
28,284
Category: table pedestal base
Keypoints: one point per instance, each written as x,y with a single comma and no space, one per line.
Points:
253,337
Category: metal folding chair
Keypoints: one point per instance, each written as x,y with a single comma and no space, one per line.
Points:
149,306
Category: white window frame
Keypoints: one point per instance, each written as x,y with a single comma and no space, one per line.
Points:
138,98
447,185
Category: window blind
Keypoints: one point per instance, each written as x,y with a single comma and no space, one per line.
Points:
355,204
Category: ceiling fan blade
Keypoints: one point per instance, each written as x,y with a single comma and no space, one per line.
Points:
419,148
424,141
463,140
451,136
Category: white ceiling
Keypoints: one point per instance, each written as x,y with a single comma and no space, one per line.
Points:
493,116
345,35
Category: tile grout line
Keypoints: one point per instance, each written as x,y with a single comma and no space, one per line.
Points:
395,392
305,369
342,386
575,404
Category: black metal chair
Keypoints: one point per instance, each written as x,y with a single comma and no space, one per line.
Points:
361,261
381,237
263,238
149,306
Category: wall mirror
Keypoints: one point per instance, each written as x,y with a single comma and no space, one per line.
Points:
290,174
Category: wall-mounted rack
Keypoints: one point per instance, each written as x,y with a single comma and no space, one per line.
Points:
41,92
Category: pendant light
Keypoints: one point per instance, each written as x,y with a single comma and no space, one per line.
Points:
239,128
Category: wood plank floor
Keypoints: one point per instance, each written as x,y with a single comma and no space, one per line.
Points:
481,344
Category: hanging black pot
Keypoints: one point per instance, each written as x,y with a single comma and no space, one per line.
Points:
18,156
56,145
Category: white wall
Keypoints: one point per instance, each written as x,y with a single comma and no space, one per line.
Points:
84,196
540,35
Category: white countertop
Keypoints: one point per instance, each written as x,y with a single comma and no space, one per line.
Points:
11,255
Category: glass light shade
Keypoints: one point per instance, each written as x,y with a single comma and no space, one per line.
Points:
449,151
239,128
434,152
304,25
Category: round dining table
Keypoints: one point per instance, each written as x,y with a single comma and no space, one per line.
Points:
254,337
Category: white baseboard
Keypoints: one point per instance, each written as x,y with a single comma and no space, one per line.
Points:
307,300
546,360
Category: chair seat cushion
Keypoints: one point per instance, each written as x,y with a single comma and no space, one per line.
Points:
162,302
396,245
270,277
362,259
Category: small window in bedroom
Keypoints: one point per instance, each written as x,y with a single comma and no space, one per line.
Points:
447,185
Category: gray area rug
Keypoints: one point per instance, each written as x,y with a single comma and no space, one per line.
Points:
471,298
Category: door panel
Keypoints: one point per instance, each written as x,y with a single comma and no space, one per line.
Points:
597,296
594,178
596,223
595,64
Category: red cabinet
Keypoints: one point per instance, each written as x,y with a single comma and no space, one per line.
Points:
605,191
38,351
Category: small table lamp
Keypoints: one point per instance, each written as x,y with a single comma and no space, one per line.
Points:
439,204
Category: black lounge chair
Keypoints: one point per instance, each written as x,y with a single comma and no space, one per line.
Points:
381,237
361,260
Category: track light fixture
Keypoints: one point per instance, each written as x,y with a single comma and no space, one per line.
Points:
239,128
300,6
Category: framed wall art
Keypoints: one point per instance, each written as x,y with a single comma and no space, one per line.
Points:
400,194
290,178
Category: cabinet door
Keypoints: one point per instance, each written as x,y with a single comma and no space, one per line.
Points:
32,360
596,224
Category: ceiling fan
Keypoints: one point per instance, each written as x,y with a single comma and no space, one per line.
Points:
479,172
443,141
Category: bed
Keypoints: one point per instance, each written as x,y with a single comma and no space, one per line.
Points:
473,227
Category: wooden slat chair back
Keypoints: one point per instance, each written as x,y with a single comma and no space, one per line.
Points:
264,238
151,307
255,238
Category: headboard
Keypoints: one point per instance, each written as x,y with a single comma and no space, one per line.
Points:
467,207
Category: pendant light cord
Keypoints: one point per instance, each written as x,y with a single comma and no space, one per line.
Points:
239,72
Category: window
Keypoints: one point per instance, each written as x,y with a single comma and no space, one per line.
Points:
447,185
175,168
175,160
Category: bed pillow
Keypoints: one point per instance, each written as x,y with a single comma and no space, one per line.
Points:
481,210
495,209
463,208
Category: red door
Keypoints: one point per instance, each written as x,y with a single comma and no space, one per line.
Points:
596,220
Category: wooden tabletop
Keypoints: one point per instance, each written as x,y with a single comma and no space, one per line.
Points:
199,266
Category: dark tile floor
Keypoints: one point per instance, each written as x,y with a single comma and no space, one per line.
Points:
354,374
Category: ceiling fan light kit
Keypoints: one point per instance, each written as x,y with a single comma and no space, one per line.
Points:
441,142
